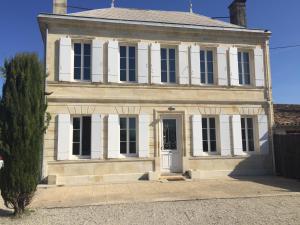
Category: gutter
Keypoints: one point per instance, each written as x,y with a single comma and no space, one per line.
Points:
155,24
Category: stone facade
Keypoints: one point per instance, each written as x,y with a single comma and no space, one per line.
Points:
155,100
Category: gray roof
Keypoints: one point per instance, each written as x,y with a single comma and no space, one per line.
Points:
156,16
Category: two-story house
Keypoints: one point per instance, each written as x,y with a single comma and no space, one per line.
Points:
140,93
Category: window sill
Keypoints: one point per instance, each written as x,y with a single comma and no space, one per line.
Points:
83,161
209,157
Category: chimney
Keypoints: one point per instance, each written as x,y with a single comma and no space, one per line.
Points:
238,13
59,6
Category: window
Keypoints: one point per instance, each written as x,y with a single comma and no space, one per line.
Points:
81,136
244,68
128,135
247,134
82,61
209,134
168,65
127,64
207,66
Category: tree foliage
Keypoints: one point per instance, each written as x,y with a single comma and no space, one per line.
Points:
22,113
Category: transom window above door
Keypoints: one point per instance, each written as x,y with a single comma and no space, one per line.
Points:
128,135
207,66
127,64
244,68
247,134
209,135
168,65
82,61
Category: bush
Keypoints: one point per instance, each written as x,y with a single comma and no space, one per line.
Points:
22,113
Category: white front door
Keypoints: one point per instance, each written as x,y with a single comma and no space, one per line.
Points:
171,145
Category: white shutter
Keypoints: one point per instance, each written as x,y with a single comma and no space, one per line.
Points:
222,65
259,67
96,152
97,60
183,64
65,59
195,64
113,62
234,67
225,135
143,70
63,137
155,63
113,143
237,135
263,133
197,135
144,122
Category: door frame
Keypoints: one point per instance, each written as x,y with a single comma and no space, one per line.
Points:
179,134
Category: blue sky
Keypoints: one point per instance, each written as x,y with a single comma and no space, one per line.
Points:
20,32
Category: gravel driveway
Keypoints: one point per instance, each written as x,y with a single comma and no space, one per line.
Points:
261,210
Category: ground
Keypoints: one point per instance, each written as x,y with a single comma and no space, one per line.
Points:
266,200
260,210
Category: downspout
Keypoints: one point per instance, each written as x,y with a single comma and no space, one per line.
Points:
270,102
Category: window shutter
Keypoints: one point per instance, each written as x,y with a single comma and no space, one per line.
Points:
96,151
113,136
143,70
65,59
237,135
144,122
64,134
97,60
234,67
259,67
195,64
263,133
222,65
113,62
197,135
225,135
155,63
183,64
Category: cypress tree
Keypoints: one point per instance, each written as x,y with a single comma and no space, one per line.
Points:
22,113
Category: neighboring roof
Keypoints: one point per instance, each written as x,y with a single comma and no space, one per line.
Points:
157,16
287,115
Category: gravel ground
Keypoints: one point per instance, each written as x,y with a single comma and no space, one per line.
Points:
264,210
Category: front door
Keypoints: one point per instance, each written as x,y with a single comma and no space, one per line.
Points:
170,149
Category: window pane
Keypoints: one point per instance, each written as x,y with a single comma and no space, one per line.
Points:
77,72
243,134
123,123
213,146
172,65
76,123
132,64
205,146
172,53
246,68
132,52
123,75
77,61
246,57
87,74
77,49
172,77
212,134
164,77
250,134
251,145
132,123
76,147
202,56
132,147
76,135
209,56
123,65
87,61
212,122
244,146
164,65
250,123
123,135
86,135
202,67
123,51
203,79
247,78
210,78
132,135
163,53
87,49
243,122
239,57
210,67
204,122
132,75
123,147
204,134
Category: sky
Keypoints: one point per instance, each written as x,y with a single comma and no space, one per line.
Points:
20,31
